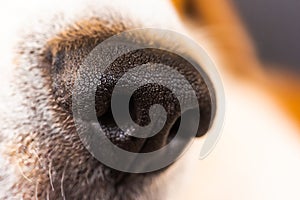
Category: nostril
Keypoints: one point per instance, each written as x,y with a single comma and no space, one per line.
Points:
119,137
189,115
139,106
173,130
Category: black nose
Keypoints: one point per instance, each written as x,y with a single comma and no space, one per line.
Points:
64,68
146,96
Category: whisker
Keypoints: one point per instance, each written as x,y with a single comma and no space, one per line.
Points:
22,173
62,183
36,190
50,176
48,196
39,159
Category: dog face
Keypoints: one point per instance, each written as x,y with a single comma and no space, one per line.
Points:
49,157
42,155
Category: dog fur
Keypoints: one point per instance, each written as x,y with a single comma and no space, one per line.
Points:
257,157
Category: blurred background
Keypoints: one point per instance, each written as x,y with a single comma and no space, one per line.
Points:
274,25
274,29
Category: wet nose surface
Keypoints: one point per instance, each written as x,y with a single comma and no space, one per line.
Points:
148,95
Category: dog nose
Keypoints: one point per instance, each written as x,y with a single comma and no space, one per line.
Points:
141,100
145,97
